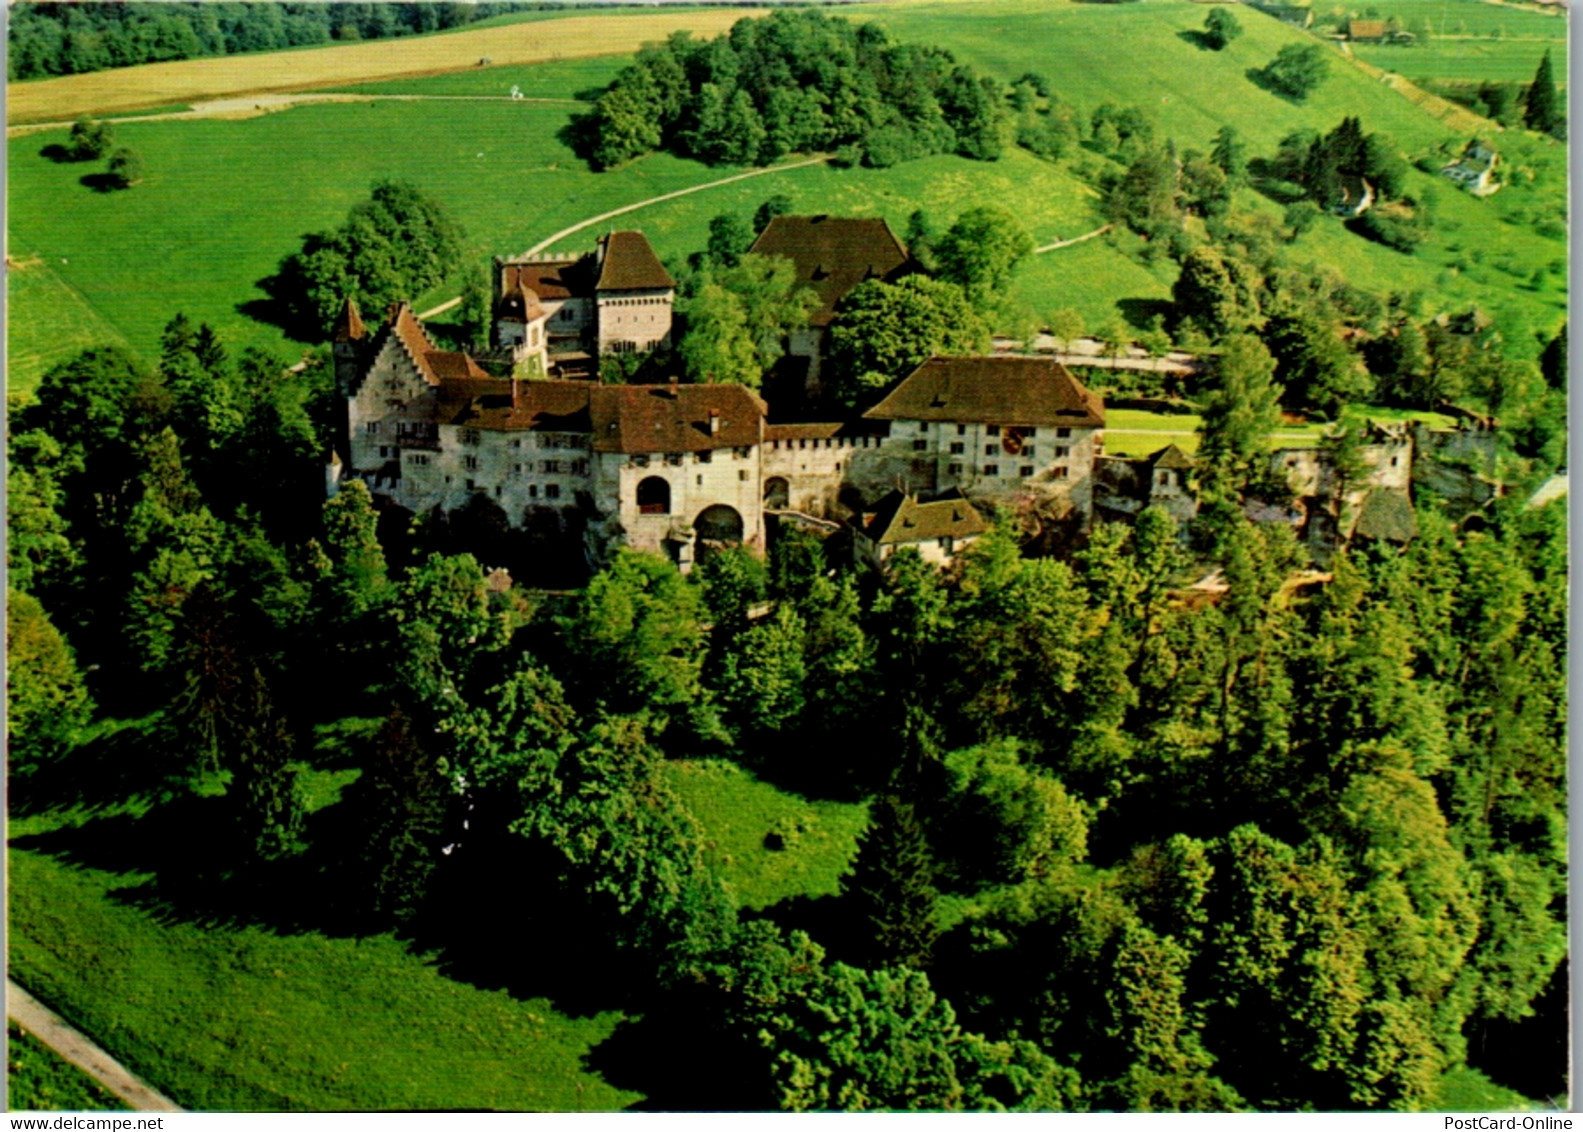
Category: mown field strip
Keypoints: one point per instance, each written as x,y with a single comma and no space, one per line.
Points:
191,80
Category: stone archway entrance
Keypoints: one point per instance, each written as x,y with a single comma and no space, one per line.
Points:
719,524
777,493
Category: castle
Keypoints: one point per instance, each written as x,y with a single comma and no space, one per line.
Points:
677,468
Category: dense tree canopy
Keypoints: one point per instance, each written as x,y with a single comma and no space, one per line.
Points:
392,247
795,82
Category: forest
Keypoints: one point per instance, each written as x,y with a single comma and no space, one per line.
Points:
1129,847
796,81
73,39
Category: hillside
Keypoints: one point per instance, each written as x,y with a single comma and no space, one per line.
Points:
505,173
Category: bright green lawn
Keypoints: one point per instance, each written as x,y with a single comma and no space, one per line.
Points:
1469,60
1468,1090
225,200
241,1018
39,1080
562,79
737,811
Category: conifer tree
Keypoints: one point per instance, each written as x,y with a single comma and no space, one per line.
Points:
264,790
1543,110
399,810
892,885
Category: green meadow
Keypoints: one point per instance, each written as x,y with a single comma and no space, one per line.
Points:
224,201
39,1080
767,844
1469,60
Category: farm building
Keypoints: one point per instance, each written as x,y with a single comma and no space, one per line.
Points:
832,255
557,315
1474,170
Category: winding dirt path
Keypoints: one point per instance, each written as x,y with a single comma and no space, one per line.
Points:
38,1020
624,209
255,105
1100,231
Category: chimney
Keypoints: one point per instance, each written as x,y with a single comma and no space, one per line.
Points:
714,422
516,392
674,392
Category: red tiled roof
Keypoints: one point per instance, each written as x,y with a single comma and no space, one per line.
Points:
349,324
520,304
547,406
674,418
550,279
628,263
1367,29
833,254
403,326
993,390
818,430
452,365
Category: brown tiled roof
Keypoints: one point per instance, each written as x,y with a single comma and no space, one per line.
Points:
550,279
674,418
1368,29
1171,457
453,365
833,254
627,263
906,520
544,406
349,324
520,304
403,326
993,390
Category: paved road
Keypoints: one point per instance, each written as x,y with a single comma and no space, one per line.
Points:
38,1020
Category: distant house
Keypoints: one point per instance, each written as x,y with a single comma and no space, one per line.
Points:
832,255
939,530
1368,31
1298,15
563,312
1353,196
1123,487
1474,170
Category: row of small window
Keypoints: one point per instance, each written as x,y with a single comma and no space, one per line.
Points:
959,448
634,302
404,429
994,430
1023,470
830,442
674,459
470,463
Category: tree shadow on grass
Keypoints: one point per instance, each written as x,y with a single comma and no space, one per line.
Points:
123,762
1141,313
1197,38
1260,78
102,182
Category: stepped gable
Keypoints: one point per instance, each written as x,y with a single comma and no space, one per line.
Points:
628,263
993,390
902,519
833,254
403,326
349,324
674,418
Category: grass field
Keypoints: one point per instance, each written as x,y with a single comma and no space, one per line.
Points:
516,42
38,1080
242,1018
196,238
1469,60
738,811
